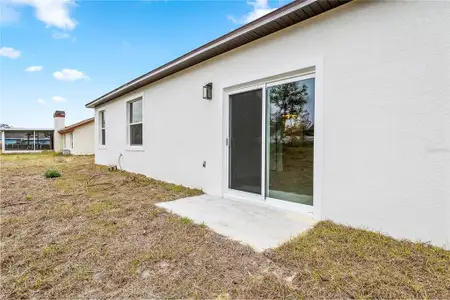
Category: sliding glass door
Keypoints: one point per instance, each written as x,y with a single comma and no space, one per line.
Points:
245,117
271,140
290,141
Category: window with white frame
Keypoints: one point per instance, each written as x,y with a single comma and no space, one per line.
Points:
71,140
134,112
102,128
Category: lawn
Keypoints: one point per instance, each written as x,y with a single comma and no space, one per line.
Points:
92,233
296,175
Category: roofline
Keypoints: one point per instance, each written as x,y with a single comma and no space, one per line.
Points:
272,16
72,127
26,129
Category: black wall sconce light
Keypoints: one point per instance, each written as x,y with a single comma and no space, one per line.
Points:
207,91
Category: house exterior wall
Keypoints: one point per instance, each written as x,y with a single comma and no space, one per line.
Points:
83,140
58,124
83,137
384,69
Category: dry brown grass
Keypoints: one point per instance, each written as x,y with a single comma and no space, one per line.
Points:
97,234
337,261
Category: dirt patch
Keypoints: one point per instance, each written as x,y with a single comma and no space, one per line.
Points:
92,233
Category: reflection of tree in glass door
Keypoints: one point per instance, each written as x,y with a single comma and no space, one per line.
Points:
291,141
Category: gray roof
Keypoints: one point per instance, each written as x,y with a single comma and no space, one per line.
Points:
285,16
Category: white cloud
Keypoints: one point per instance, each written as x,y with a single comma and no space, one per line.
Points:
60,35
260,8
41,101
58,99
9,52
70,75
8,14
34,68
53,13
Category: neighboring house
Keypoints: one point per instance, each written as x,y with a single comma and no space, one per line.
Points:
77,139
227,117
2,126
22,140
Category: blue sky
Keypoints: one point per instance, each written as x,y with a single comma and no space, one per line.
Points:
61,54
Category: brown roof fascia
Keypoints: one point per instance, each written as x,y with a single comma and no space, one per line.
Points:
72,127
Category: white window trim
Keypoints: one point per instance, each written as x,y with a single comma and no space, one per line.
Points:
99,132
303,69
135,97
68,142
72,140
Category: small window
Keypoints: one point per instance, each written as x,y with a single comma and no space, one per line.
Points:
71,140
135,122
102,128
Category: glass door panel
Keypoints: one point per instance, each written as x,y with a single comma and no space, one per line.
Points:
290,141
245,148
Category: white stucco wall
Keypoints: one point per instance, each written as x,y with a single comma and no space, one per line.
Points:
58,142
83,140
384,69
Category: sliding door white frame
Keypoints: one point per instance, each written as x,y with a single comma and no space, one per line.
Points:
231,192
315,209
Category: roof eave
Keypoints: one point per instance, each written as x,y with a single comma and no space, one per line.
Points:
26,129
72,127
274,16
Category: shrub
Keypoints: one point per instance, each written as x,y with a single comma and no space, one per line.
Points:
52,174
185,220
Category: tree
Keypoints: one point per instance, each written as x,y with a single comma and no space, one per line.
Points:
287,101
4,126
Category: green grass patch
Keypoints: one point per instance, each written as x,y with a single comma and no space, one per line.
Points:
52,174
185,220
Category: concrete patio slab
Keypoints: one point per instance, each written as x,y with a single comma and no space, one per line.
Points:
257,225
